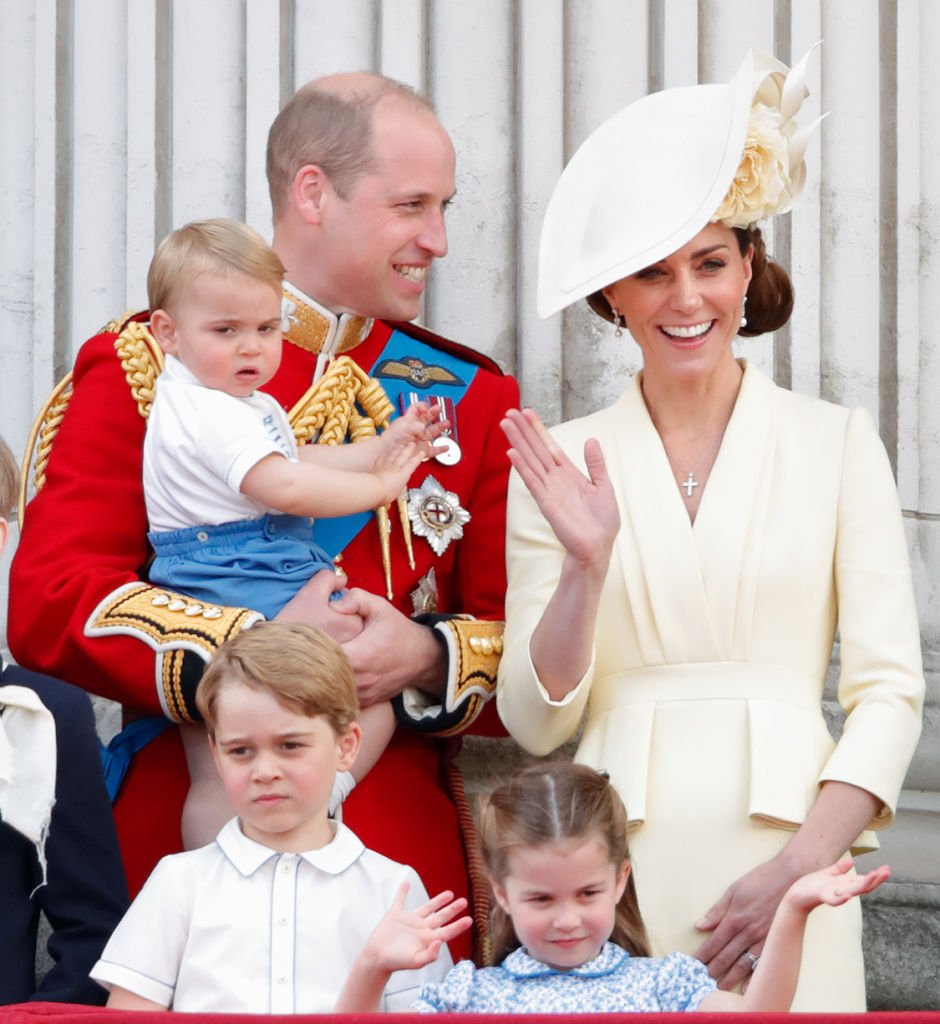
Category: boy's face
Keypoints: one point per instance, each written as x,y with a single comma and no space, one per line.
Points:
226,330
278,766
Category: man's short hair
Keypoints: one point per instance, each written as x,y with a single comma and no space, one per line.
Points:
210,246
301,667
9,481
332,128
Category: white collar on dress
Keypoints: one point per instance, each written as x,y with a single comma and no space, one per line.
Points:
521,965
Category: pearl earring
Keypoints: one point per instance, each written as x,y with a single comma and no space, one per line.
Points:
743,312
618,323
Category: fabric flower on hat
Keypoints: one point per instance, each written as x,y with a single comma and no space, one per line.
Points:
762,185
771,173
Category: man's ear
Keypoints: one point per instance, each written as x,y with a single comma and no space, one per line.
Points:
311,191
163,329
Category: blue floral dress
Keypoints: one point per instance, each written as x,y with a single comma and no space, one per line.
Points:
613,982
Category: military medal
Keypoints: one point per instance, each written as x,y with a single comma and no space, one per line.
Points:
450,453
436,515
424,596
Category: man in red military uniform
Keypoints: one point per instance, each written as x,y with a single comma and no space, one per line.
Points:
360,172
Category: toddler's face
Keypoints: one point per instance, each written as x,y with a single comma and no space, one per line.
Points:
226,330
562,898
278,766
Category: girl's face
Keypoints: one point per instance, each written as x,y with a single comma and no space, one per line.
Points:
562,897
685,310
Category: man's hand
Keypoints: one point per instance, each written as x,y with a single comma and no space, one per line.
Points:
312,605
392,651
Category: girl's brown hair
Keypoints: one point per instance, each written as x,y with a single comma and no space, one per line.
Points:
548,801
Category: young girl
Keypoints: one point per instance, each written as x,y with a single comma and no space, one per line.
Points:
567,931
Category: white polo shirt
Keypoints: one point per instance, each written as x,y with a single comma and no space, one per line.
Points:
236,927
200,443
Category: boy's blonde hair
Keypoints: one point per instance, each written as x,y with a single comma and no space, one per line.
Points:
210,246
301,667
9,481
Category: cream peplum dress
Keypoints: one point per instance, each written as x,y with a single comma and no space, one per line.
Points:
703,699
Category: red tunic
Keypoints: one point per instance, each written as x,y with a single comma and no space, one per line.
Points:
84,537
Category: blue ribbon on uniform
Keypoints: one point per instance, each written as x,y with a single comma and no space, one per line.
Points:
116,756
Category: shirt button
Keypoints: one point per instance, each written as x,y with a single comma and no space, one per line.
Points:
282,920
282,981
202,535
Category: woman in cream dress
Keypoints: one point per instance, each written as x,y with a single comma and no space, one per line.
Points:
679,562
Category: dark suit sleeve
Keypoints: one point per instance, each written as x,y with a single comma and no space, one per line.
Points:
86,894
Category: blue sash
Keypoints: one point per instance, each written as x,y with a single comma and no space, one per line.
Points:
335,534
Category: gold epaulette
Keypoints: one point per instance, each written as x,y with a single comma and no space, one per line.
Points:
141,360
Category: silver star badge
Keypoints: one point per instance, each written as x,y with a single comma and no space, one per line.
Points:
436,514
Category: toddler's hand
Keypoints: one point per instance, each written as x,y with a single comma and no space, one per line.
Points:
420,423
393,469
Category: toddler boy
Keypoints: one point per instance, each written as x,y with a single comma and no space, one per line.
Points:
229,493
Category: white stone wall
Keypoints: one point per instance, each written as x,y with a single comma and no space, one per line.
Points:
120,119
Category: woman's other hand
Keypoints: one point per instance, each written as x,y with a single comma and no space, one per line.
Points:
739,923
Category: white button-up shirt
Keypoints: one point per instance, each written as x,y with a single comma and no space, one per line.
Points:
238,927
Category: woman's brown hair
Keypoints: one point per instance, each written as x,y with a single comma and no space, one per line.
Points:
549,801
770,293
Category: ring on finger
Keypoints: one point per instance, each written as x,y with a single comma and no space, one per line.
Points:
752,959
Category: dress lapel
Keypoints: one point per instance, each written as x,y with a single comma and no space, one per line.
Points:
731,523
656,547
692,589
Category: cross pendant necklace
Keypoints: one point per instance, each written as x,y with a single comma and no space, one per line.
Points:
690,483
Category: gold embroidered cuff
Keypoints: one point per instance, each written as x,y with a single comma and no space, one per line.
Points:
173,626
474,647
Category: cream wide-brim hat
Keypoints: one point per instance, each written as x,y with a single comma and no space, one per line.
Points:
654,174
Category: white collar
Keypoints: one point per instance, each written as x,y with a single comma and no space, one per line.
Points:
247,856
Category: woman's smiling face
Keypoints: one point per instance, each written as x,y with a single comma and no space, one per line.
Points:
685,310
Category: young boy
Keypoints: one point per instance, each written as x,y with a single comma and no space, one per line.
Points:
229,494
58,849
271,917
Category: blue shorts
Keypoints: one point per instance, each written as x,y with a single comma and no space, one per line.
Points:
254,563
